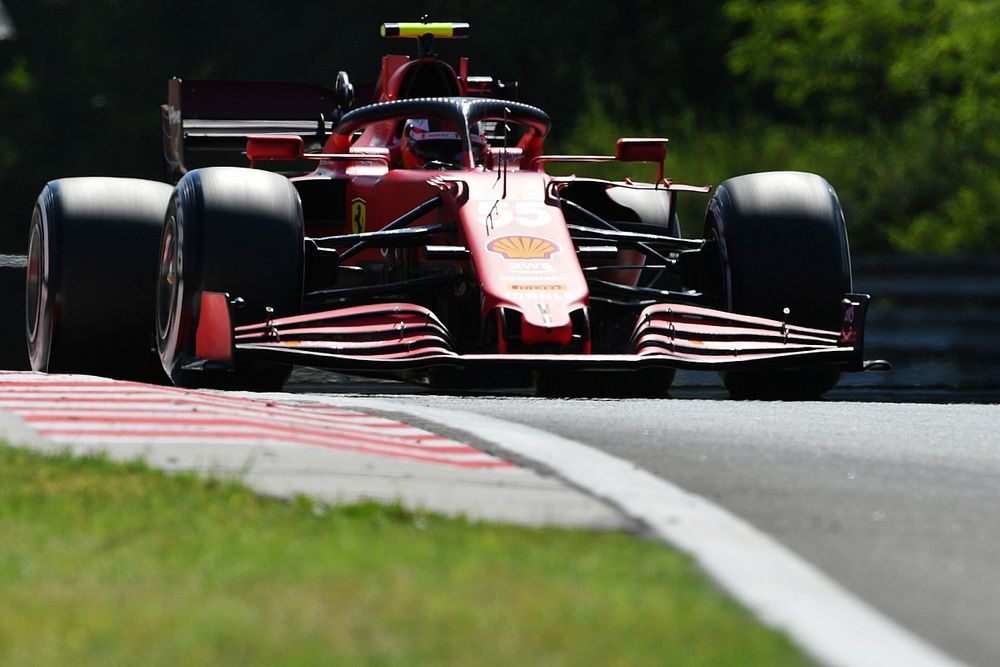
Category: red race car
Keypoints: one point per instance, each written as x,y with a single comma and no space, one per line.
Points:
419,236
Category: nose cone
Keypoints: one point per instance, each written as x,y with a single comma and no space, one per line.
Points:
524,256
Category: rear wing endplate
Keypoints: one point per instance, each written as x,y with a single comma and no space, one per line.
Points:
220,115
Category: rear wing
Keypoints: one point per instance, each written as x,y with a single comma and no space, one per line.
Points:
220,115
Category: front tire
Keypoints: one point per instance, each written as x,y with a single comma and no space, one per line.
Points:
235,231
782,243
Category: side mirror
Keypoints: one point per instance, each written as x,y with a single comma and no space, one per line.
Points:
344,90
274,147
643,150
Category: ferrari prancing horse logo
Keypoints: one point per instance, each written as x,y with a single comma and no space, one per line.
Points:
358,214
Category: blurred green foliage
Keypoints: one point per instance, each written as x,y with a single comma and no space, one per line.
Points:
912,86
895,102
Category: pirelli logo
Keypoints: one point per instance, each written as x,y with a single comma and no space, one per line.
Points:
523,247
537,288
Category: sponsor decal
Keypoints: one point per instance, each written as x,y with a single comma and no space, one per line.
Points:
536,287
546,313
534,279
359,214
523,247
534,294
501,213
517,287
848,334
530,266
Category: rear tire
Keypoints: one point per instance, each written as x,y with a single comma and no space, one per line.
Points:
91,277
782,244
236,231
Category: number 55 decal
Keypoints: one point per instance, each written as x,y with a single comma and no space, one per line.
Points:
525,213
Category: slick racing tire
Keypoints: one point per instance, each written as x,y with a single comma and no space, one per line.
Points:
236,231
91,276
781,243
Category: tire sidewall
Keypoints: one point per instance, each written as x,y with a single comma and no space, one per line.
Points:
40,299
174,338
204,220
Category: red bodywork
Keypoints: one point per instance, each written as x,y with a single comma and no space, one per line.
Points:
520,249
506,237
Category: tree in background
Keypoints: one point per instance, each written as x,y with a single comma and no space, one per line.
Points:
897,103
905,98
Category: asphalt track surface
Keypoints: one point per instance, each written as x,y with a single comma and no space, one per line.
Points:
898,503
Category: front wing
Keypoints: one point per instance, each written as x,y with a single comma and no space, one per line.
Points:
383,338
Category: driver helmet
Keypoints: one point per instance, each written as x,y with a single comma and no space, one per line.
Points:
430,141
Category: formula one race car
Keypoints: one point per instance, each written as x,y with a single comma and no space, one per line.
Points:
425,240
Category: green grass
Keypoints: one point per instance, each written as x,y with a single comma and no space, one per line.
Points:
111,564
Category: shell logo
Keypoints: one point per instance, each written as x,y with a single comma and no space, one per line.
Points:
523,247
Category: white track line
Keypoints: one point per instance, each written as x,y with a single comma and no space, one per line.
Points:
784,591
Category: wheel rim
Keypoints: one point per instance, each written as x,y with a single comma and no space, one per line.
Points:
35,281
168,282
720,280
